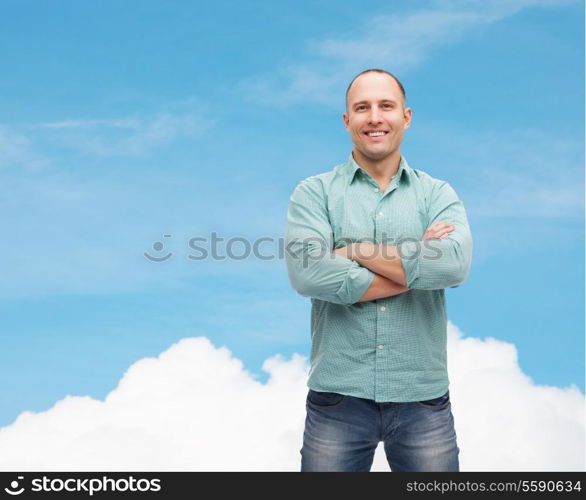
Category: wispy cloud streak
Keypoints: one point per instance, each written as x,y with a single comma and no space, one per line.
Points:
398,41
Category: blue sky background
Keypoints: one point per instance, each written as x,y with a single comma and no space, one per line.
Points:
124,121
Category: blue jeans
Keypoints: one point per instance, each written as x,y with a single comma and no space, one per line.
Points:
342,433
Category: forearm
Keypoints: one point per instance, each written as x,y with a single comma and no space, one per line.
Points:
383,260
328,278
382,287
313,272
441,259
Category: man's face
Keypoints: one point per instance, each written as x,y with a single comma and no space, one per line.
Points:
376,117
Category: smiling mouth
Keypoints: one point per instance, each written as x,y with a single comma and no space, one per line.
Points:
376,133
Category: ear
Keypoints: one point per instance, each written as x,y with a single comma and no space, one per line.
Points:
346,119
407,114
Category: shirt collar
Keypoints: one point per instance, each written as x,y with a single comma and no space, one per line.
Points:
353,168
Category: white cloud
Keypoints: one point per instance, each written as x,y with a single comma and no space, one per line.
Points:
129,122
493,10
16,151
70,184
126,136
196,408
132,135
401,40
506,422
523,173
398,41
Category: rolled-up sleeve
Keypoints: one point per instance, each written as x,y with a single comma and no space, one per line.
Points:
436,264
314,271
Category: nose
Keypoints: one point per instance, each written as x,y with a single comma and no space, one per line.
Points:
374,116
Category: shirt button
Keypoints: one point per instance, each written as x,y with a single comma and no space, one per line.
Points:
383,308
380,214
376,190
380,346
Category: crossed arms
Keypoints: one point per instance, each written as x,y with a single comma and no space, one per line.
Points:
385,262
361,272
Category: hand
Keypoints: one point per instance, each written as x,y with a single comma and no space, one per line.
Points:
438,231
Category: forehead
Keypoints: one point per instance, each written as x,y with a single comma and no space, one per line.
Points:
374,87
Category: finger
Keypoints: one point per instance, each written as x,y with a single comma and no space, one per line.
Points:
438,226
443,230
443,234
438,230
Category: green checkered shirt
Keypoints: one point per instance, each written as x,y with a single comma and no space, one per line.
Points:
390,349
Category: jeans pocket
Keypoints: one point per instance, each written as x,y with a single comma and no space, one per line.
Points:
436,403
324,399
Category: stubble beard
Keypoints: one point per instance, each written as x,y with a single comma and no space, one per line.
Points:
375,156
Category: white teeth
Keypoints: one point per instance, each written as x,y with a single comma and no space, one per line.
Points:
375,134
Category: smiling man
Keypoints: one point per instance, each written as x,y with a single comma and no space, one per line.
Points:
374,243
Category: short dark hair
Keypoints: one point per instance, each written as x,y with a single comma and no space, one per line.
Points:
376,70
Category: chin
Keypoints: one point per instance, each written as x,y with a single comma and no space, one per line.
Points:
376,155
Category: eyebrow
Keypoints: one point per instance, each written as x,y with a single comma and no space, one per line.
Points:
367,102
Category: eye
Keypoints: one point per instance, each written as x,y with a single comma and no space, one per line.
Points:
360,107
388,106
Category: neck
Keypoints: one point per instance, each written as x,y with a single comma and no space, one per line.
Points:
383,169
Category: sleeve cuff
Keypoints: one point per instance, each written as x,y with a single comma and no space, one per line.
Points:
357,281
409,253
